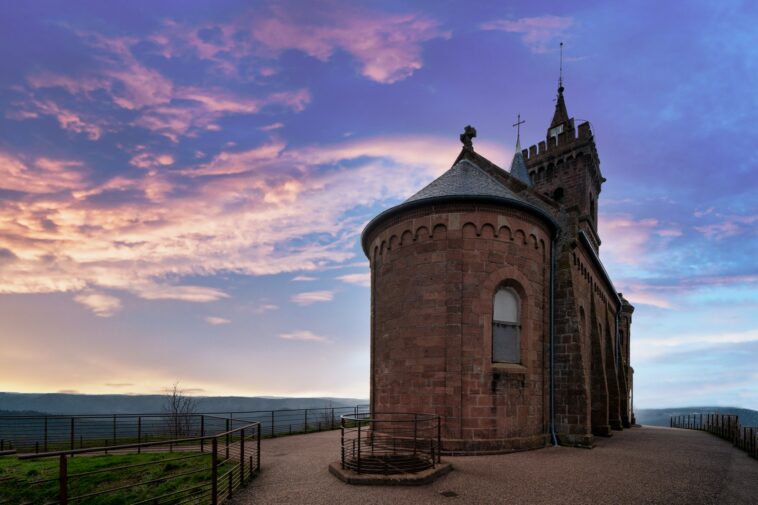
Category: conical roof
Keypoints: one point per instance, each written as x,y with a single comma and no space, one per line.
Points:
518,166
561,114
464,179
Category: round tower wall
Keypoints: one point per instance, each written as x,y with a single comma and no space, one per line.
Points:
434,273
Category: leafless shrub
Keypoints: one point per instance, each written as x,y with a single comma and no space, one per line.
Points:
180,410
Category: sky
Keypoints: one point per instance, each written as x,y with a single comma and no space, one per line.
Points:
183,184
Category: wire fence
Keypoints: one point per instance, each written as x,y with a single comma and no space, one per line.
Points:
390,443
24,434
726,426
202,470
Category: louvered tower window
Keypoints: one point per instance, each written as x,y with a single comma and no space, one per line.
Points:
506,327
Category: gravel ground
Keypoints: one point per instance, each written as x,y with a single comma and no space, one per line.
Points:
641,466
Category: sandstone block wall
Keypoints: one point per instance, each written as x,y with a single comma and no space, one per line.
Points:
434,274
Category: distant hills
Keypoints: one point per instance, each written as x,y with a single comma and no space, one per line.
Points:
661,417
63,403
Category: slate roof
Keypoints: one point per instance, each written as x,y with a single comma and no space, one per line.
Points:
464,179
518,166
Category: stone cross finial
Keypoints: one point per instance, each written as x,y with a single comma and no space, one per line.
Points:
469,132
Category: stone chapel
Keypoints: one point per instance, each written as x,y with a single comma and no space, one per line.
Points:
490,306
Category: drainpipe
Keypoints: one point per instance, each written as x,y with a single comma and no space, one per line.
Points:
619,370
553,437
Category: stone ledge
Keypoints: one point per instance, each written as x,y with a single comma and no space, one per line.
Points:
403,479
486,447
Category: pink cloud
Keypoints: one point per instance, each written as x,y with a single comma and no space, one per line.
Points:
388,47
670,232
540,34
362,279
267,214
271,127
305,336
626,240
201,109
664,295
310,297
43,175
304,278
729,227
67,119
148,160
216,321
101,304
161,106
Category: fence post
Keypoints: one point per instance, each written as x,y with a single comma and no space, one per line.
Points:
359,447
63,480
72,433
415,432
227,438
273,429
439,440
139,433
258,450
332,422
306,421
242,456
342,442
202,433
114,429
45,434
214,471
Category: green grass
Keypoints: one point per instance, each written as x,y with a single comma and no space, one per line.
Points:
18,477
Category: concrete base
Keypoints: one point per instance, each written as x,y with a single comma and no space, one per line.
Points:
403,479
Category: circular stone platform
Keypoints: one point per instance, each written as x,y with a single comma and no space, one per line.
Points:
401,479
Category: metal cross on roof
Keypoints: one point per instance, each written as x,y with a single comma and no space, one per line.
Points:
518,124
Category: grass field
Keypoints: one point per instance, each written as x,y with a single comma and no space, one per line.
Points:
36,481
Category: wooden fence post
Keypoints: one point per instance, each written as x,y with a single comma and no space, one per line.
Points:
63,480
242,455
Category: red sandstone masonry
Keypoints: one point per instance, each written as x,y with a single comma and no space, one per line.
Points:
433,295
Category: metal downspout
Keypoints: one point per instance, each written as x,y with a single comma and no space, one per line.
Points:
553,437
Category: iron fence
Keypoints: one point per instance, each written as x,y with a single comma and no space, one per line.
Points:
390,443
67,432
726,426
198,469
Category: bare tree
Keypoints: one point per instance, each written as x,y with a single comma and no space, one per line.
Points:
180,409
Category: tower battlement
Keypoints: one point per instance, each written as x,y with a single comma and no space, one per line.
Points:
557,145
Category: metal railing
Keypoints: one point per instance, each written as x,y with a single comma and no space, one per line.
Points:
203,469
67,432
726,426
390,443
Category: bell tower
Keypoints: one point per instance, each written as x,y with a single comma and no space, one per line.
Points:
565,167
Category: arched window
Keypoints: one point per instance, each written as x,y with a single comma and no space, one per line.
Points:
506,328
558,195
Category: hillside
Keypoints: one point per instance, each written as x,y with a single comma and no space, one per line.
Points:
661,417
60,403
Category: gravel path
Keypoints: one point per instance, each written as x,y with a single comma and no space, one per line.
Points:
640,466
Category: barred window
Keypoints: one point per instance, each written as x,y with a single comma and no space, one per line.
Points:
506,344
